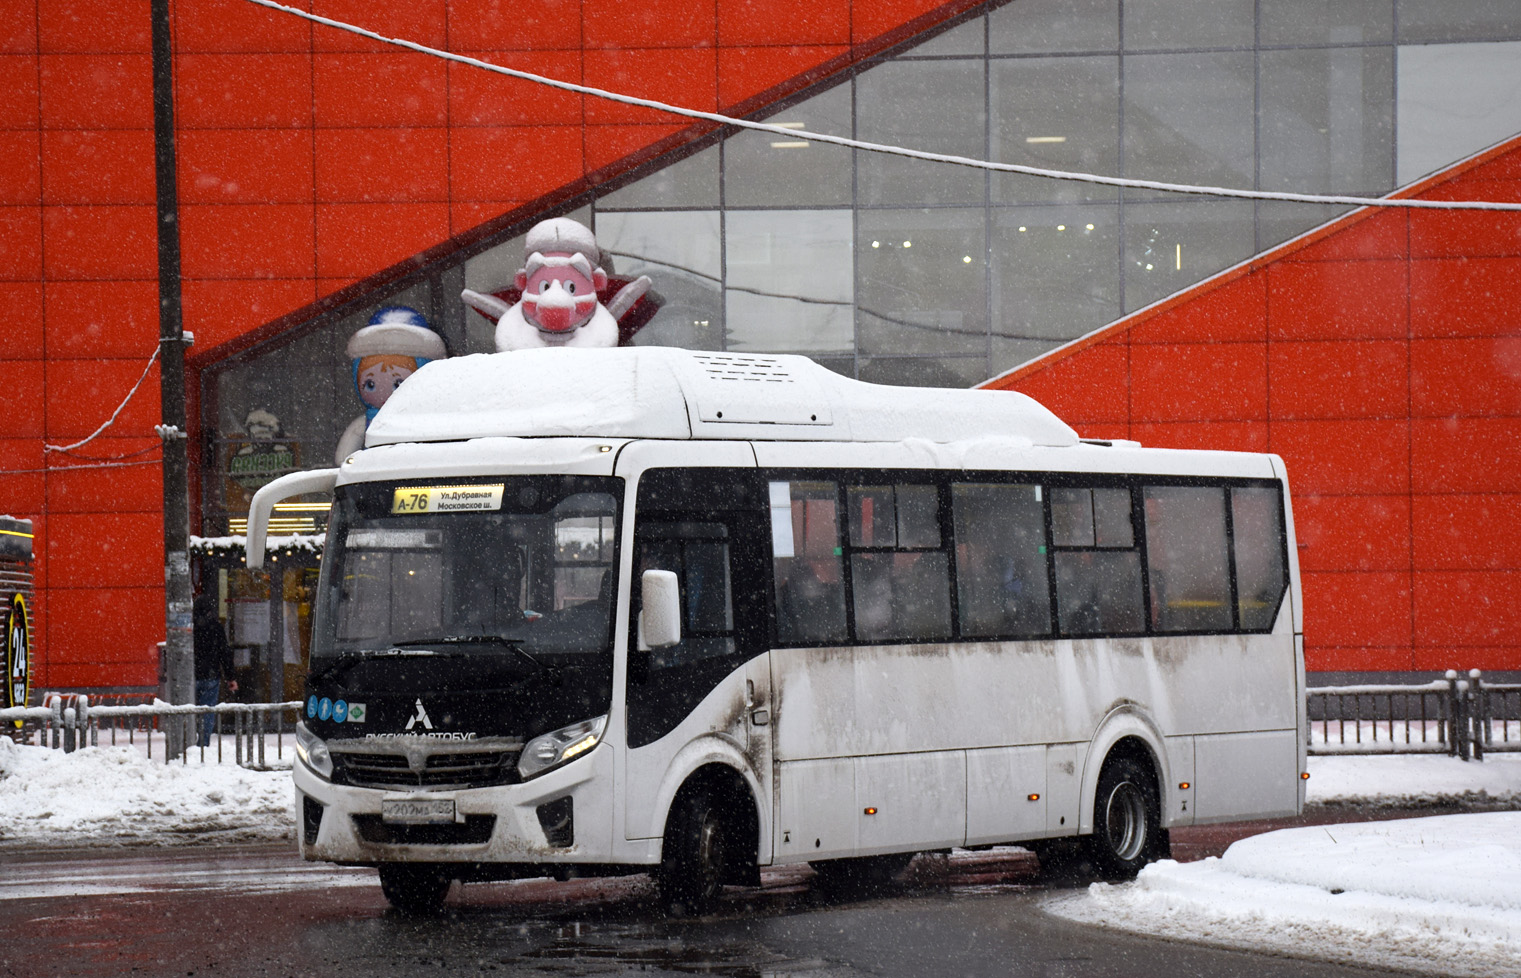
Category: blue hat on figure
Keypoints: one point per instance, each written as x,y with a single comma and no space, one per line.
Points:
397,331
394,346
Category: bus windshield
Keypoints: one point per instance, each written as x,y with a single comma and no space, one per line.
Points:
516,568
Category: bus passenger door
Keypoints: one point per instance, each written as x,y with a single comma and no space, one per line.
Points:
715,683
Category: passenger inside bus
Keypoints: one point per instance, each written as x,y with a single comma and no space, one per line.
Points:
992,592
808,610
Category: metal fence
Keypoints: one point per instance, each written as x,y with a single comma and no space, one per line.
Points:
1460,717
251,735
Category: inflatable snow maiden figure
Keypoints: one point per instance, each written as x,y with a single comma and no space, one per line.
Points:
397,341
560,291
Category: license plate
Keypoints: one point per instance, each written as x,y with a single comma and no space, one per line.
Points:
417,811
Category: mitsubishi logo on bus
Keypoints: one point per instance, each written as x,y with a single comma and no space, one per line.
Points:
421,716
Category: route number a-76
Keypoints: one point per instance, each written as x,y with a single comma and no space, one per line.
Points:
410,501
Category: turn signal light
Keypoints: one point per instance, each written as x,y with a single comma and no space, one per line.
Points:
1184,785
871,810
1033,797
1305,776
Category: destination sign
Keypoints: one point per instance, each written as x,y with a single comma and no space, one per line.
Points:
447,499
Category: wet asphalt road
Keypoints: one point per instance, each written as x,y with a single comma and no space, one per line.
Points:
255,911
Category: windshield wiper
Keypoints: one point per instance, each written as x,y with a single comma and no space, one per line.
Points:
347,658
515,644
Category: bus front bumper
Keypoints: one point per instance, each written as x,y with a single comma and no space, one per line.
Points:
560,817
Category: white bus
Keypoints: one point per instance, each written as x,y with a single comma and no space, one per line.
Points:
875,621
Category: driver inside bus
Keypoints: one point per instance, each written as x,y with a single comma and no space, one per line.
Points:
491,601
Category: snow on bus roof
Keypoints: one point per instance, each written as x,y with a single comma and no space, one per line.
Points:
657,392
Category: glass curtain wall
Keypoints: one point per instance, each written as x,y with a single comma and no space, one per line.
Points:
902,271
907,272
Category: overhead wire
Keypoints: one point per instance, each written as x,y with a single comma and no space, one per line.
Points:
967,161
114,414
101,461
71,468
792,133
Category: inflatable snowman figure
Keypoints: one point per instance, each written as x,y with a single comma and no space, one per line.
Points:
397,341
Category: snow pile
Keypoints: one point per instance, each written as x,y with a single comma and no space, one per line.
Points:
1438,894
1414,780
115,795
238,543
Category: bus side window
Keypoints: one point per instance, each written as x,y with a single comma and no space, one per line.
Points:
710,609
810,588
1098,571
899,576
698,554
1002,588
1186,559
1257,535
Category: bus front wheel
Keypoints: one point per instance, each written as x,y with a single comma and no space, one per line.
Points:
1127,829
695,857
415,890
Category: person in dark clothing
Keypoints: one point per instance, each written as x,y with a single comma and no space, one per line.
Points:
213,661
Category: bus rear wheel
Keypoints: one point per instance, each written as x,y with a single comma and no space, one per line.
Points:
414,890
694,860
1127,824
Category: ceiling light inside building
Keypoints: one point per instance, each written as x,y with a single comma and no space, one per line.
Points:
789,144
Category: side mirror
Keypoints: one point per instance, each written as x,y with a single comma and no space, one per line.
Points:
660,617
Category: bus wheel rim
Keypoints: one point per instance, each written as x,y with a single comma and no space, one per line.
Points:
1125,821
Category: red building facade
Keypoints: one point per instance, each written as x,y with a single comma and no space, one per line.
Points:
1380,356
309,160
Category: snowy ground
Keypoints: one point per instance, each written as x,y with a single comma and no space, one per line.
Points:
1437,894
117,796
1415,781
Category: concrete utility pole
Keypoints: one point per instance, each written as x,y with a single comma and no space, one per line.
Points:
179,672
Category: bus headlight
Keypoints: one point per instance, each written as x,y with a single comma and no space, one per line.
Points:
558,746
313,752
